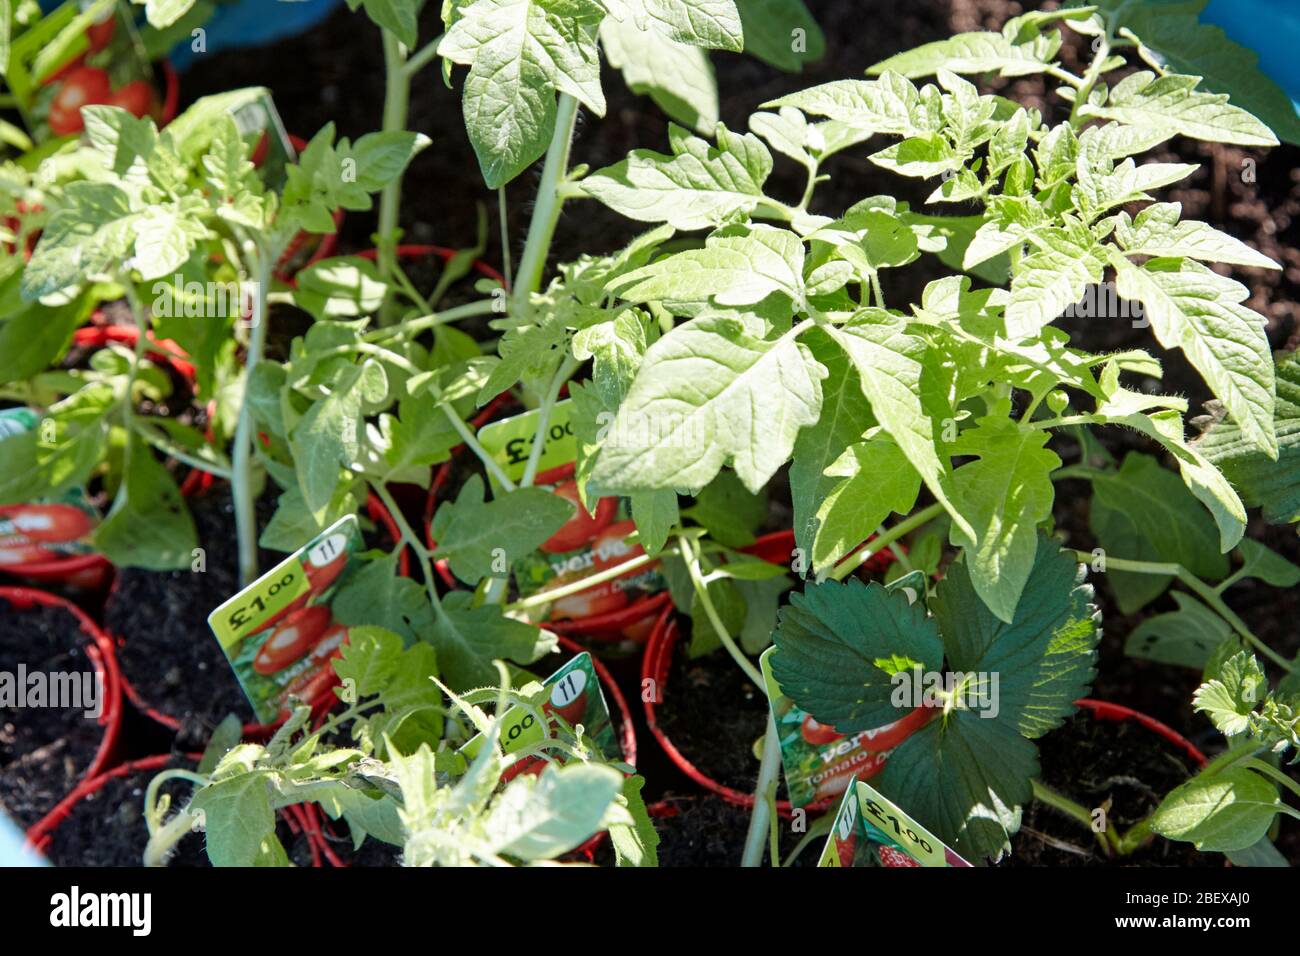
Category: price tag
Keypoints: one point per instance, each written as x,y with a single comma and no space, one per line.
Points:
870,830
279,633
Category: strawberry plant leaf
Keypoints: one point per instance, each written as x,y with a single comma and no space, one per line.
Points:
481,539
837,646
709,393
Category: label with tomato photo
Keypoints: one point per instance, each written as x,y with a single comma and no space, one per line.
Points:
574,693
819,761
872,831
48,529
589,542
279,633
81,53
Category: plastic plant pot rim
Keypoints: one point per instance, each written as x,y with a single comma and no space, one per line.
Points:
91,336
322,703
1104,710
99,649
627,743
39,834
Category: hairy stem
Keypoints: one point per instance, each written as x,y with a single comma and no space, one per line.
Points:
692,559
546,214
241,464
1045,794
762,812
880,542
397,94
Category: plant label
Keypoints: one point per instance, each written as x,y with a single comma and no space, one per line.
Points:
819,761
572,692
279,633
590,542
869,830
46,529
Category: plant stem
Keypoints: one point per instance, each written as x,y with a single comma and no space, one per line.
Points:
758,820
397,93
503,220
562,375
1268,770
1084,90
546,213
880,542
702,592
171,833
241,463
411,540
422,57
433,320
577,587
1202,590
1045,794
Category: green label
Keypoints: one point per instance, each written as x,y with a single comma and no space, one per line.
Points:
870,830
278,633
47,528
575,693
818,761
510,441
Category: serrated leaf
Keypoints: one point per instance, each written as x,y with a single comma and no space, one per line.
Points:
1159,231
467,640
239,821
890,104
1232,695
971,53
655,514
1192,308
829,639
695,187
771,28
1005,494
520,52
542,817
709,393
149,525
677,76
1172,102
1047,281
874,479
369,660
479,538
1185,637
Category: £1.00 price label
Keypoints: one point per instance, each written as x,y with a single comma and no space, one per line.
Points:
248,610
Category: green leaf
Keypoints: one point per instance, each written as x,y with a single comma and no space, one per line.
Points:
325,439
382,157
729,511
678,77
655,514
149,525
874,479
376,595
1171,102
972,53
1274,485
1159,231
520,52
845,418
347,287
1218,812
888,362
1199,311
1265,564
781,33
89,235
239,821
635,843
293,524
419,435
1159,508
32,339
695,187
830,640
1233,695
32,468
1181,43
163,13
370,659
398,17
762,599
712,24
481,539
1048,280
1186,637
890,105
709,393
468,639
730,607
542,817
1005,495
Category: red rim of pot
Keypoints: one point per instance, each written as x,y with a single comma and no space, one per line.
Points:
91,570
99,650
1104,710
40,833
324,700
316,825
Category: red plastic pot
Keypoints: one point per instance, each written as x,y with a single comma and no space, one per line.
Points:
99,650
324,700
323,831
39,834
1104,710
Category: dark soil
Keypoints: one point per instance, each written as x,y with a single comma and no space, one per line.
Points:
43,750
160,620
107,827
708,831
1094,761
713,713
